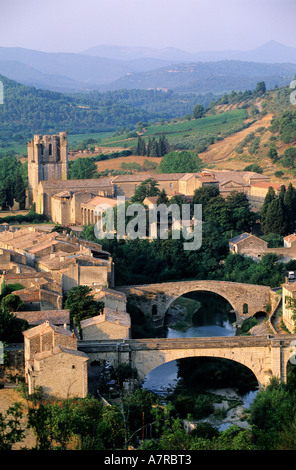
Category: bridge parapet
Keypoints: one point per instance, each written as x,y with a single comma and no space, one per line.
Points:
266,356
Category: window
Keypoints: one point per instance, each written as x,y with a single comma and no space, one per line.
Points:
50,149
245,308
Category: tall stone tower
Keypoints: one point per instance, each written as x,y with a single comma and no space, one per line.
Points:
47,160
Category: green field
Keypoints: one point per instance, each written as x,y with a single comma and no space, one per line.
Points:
188,134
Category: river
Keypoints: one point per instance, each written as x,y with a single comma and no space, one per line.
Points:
211,316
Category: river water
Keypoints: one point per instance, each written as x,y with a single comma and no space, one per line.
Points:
214,317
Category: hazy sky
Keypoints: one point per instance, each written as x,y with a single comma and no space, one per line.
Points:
192,25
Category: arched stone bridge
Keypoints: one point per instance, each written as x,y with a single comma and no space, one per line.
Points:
266,356
155,299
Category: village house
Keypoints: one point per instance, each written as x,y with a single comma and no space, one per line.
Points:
53,362
112,324
57,262
288,292
61,372
289,241
112,299
248,244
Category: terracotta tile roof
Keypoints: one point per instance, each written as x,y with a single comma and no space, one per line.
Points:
266,184
46,328
63,194
290,238
69,185
102,291
109,315
55,317
58,350
290,286
100,200
140,177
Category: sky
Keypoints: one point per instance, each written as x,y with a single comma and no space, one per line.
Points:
191,25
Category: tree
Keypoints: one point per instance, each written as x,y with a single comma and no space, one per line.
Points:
20,191
11,430
82,168
82,304
275,220
162,198
198,111
270,196
254,167
241,216
180,162
260,88
273,154
12,303
204,195
146,189
141,146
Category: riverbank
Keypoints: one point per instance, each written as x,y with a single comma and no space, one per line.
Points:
230,409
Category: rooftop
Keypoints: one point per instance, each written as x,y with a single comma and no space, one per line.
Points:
58,350
109,315
46,328
55,317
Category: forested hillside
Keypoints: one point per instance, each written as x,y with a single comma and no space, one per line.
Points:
27,110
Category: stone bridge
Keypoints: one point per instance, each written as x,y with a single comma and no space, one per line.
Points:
155,299
265,356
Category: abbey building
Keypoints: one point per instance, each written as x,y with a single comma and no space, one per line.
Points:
74,202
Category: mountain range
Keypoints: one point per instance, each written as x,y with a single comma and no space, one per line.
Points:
115,67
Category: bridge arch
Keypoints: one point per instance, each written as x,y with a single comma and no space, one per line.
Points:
202,291
262,377
163,294
158,374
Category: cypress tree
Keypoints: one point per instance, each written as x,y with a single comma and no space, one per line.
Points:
270,196
20,191
290,207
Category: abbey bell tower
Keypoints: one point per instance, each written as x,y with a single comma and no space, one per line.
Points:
47,160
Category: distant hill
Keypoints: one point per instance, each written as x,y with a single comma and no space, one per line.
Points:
215,77
111,68
270,52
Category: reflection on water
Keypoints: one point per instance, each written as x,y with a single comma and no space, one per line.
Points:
202,331
163,378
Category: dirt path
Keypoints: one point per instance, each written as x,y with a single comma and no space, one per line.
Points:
221,151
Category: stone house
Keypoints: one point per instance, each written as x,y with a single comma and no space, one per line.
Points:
112,299
112,324
61,372
288,291
53,362
290,241
78,269
248,244
46,336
